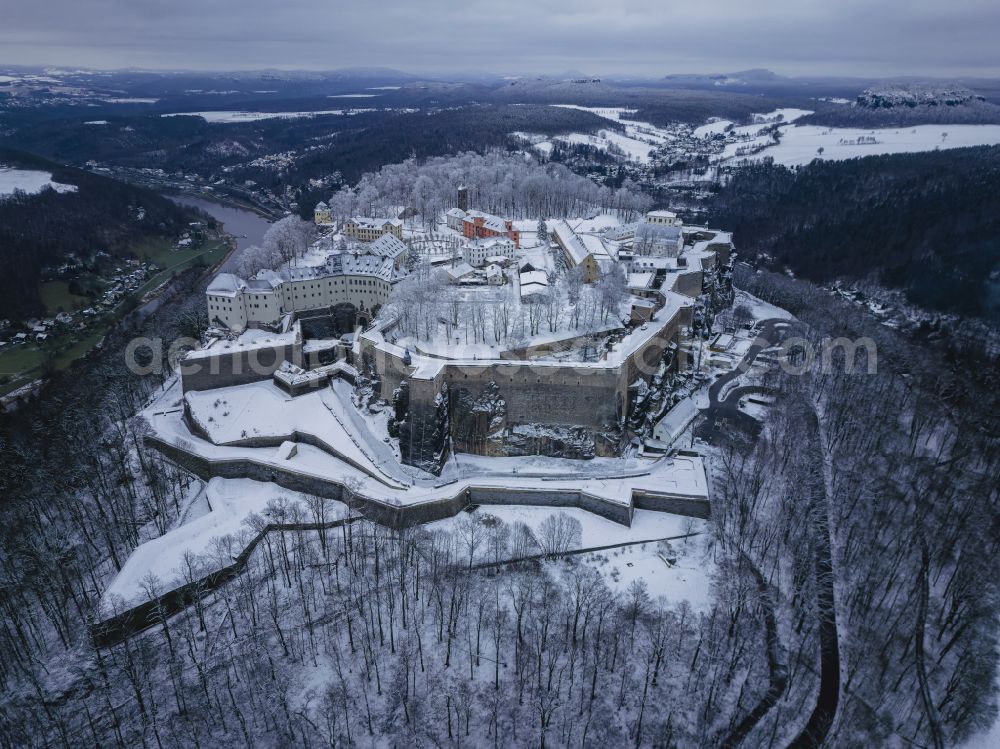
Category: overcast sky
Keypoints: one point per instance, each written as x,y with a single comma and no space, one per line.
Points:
642,37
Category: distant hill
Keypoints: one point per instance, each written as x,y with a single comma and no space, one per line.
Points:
44,229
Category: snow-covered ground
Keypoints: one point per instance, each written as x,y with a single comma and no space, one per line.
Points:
234,117
29,181
801,144
595,530
716,125
262,410
689,578
761,310
636,143
232,502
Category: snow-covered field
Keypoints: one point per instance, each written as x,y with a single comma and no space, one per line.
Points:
760,120
800,144
636,143
234,117
29,181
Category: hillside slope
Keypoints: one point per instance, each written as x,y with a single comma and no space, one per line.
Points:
928,224
44,229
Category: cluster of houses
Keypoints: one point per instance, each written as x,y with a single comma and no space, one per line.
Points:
36,329
126,279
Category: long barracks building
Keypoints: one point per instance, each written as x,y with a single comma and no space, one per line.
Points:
362,282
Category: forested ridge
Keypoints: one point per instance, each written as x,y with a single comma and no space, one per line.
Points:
928,223
41,230
351,145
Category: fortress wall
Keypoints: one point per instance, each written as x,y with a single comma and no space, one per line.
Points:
384,513
227,368
695,507
128,620
689,283
574,396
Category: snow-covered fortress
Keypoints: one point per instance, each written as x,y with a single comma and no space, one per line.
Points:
572,390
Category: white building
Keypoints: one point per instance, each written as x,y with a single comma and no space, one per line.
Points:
454,218
662,218
362,281
476,251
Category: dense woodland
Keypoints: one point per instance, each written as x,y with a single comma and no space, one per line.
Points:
42,230
348,144
928,223
498,182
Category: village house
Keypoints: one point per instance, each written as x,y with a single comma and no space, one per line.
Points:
662,218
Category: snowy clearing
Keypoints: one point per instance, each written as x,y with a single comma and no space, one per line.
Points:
29,181
675,571
800,144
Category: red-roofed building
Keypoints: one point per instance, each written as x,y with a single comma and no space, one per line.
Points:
479,225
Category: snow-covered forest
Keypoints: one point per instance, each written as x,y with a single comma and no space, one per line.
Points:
511,185
427,309
855,535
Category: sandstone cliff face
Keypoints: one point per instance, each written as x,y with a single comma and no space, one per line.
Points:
476,420
423,434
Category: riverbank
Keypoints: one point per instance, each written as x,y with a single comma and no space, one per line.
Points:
240,227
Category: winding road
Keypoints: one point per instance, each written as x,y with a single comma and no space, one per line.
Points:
724,403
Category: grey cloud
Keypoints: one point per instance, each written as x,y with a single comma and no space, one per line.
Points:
642,37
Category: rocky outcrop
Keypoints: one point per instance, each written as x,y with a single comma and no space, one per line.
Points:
424,432
917,95
476,420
